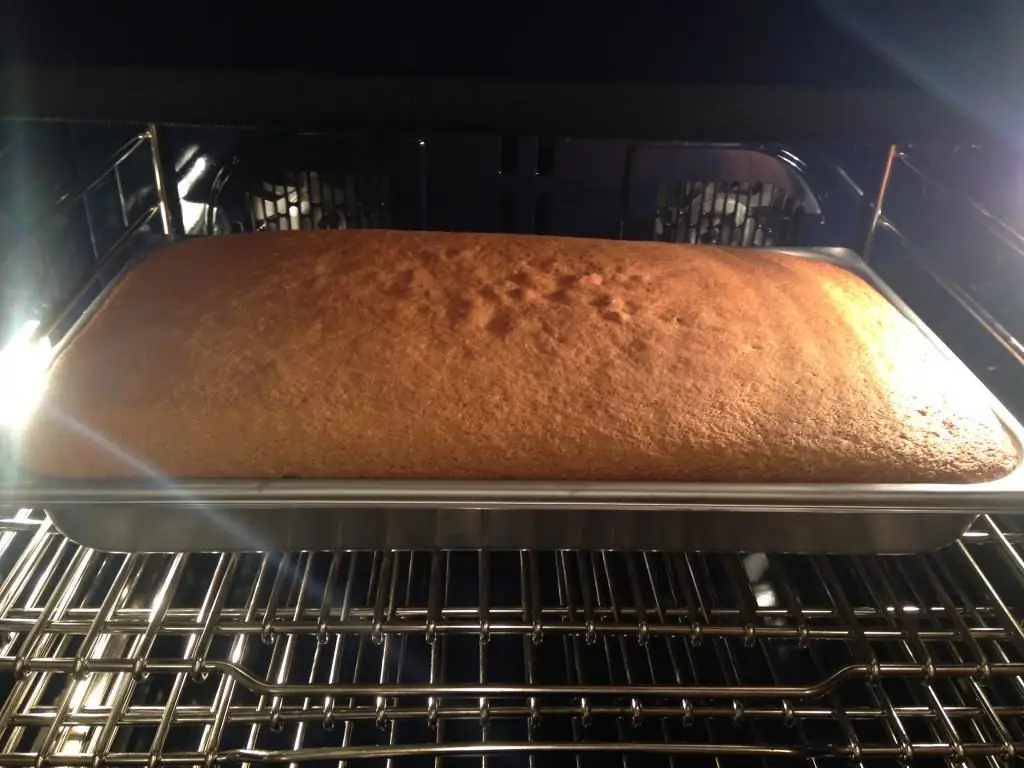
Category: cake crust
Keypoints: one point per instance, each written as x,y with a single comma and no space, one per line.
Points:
371,354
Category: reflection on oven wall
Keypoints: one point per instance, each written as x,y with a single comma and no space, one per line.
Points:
942,202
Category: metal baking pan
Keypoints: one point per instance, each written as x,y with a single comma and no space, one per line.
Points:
265,514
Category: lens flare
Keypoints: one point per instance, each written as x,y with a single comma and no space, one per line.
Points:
23,364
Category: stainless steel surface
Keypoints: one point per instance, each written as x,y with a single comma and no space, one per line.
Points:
509,657
291,514
127,528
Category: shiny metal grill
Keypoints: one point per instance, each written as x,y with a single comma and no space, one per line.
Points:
508,657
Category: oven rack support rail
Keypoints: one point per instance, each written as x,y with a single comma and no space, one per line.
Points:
167,208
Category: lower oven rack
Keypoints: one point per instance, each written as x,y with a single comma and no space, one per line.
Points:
509,658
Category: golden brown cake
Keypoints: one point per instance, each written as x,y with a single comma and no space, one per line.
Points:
369,354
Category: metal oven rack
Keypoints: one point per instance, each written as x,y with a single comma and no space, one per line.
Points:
537,658
501,658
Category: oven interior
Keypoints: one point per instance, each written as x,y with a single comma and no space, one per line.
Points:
514,657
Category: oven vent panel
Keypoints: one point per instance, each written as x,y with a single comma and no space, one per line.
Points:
313,200
739,213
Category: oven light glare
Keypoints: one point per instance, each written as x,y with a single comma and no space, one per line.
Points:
23,364
191,212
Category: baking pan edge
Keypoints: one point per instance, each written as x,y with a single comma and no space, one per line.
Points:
131,528
500,504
